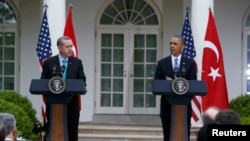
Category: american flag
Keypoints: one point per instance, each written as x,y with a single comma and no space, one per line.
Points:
43,50
189,52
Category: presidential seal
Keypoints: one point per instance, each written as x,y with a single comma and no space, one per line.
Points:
57,85
180,86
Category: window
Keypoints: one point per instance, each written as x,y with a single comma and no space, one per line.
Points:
7,47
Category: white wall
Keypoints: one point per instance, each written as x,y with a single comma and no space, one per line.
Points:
228,18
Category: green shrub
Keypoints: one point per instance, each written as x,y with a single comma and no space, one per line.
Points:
23,122
21,107
241,105
21,101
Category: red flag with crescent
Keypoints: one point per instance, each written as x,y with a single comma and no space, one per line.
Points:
213,69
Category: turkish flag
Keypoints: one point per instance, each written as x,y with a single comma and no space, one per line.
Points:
213,69
70,32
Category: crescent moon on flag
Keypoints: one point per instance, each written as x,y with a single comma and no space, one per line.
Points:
211,45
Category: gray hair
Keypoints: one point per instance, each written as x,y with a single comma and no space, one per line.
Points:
9,121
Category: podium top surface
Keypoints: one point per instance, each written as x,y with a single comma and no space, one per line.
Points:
73,86
164,87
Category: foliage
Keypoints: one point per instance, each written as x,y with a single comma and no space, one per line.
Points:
21,101
241,105
23,122
21,107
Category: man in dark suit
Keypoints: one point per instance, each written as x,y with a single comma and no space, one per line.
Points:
166,70
74,70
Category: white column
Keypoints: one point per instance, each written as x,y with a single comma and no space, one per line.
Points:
56,18
199,18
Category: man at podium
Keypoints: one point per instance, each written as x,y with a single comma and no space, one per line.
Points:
72,68
170,68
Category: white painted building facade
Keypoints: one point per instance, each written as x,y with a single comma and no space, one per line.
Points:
118,74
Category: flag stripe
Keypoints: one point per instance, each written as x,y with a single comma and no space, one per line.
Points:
44,51
189,52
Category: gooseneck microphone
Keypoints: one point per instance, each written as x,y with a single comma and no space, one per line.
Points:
176,70
62,69
183,72
54,71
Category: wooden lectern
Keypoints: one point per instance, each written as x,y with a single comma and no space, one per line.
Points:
179,130
58,110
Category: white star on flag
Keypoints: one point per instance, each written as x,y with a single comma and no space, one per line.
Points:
214,73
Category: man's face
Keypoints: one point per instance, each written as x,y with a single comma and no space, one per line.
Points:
176,46
66,49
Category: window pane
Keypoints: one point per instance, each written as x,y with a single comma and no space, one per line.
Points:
138,70
1,39
139,41
106,85
152,20
9,39
151,56
9,54
138,100
106,55
118,85
149,85
117,100
138,85
7,14
8,83
106,40
118,70
248,20
106,99
138,56
150,70
118,40
150,100
151,41
118,55
1,53
1,68
136,12
106,70
8,68
106,19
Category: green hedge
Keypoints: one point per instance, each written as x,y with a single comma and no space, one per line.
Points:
21,107
241,105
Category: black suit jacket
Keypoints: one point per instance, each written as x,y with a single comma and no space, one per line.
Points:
74,68
74,71
187,69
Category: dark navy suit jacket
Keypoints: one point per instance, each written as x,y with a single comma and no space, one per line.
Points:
74,71
164,68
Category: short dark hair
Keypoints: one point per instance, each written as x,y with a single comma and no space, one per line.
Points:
227,116
181,38
60,39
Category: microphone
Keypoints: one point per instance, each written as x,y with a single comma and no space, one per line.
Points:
54,72
62,69
176,70
183,72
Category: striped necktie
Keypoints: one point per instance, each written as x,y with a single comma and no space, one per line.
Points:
176,63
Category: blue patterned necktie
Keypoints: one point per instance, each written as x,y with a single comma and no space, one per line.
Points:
64,63
176,63
176,67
